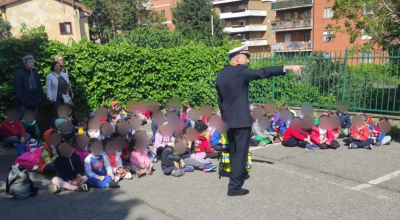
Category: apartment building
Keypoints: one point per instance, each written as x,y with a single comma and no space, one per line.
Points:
301,25
248,21
164,7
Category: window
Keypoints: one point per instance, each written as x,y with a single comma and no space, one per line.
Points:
242,7
163,12
227,9
328,13
287,16
242,22
306,37
65,28
228,24
328,36
288,38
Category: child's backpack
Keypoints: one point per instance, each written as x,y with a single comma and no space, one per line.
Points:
29,159
19,184
225,168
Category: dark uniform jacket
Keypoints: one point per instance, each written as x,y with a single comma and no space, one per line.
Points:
232,86
23,94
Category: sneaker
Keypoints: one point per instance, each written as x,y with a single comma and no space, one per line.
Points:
353,146
150,172
309,147
316,147
140,173
188,169
378,143
82,188
113,185
209,168
369,147
58,189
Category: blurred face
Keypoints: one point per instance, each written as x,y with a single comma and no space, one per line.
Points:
101,113
66,150
296,124
57,68
270,108
158,118
107,129
323,123
55,139
123,128
167,130
12,116
94,123
241,59
194,115
120,143
342,107
335,121
192,134
29,117
285,115
111,147
179,126
384,126
206,111
213,121
96,148
308,122
307,110
257,112
65,127
63,112
60,60
141,142
172,117
135,123
358,122
81,142
180,147
264,122
30,64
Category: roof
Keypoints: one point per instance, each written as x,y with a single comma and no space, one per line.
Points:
77,4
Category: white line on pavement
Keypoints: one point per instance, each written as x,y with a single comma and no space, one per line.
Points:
377,181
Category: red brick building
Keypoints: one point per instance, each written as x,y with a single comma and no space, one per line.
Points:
164,7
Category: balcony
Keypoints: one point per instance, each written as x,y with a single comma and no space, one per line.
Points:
284,5
256,42
246,28
292,46
246,13
293,25
218,2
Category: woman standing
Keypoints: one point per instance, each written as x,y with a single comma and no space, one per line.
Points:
60,59
58,86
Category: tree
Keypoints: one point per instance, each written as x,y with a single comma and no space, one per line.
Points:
5,28
193,18
379,19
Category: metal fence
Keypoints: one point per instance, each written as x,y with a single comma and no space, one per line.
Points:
367,81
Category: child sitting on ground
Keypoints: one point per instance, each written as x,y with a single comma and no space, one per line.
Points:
262,132
81,142
140,159
295,136
49,152
94,166
202,146
359,134
123,128
65,128
30,125
308,124
94,127
171,163
102,114
70,171
164,136
192,116
12,129
379,131
344,118
285,118
113,161
106,129
257,113
122,147
335,125
322,135
158,119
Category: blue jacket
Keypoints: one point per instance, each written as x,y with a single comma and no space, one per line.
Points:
215,138
282,125
344,119
23,94
381,135
68,168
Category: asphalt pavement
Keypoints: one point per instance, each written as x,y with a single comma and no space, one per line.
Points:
285,183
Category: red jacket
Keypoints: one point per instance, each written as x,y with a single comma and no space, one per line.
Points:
202,145
290,132
363,132
125,152
315,135
9,130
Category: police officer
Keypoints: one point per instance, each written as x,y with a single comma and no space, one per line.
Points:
232,86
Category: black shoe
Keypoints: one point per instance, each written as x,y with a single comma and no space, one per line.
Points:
241,192
113,185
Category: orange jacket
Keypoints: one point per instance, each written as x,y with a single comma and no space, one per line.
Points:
46,136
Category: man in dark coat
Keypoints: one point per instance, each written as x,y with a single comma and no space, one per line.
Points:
27,87
232,86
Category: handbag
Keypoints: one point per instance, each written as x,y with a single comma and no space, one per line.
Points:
67,99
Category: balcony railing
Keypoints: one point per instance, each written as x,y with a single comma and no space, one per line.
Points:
246,28
291,4
287,25
256,42
243,14
217,2
292,46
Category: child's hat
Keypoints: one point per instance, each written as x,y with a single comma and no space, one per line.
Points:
113,103
60,121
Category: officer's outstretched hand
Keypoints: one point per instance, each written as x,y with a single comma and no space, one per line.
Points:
295,68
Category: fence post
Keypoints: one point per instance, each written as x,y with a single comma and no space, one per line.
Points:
273,78
346,57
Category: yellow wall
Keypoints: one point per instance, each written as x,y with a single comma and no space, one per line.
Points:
48,13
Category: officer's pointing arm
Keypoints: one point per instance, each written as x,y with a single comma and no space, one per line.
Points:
249,75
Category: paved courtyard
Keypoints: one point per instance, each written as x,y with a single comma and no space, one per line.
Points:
285,183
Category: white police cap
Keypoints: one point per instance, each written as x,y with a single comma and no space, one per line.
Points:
239,50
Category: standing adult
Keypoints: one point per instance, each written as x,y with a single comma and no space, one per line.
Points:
58,86
232,86
27,88
60,59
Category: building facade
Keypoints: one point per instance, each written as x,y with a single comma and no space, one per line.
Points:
248,21
301,25
164,7
63,19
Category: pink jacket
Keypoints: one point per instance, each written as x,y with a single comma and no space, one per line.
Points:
138,158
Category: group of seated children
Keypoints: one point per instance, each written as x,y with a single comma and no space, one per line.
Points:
312,133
